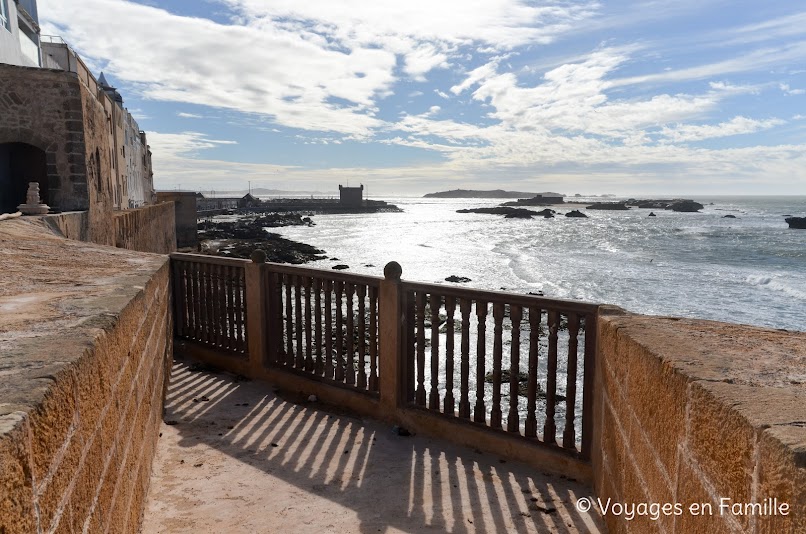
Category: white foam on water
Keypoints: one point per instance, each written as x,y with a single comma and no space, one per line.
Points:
773,283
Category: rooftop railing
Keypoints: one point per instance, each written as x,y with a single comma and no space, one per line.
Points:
429,355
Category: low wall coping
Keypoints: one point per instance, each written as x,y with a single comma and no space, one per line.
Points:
56,297
758,372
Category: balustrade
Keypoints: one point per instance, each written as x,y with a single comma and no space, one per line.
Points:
517,364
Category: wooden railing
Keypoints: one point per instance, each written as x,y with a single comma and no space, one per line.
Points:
325,324
508,365
210,301
455,343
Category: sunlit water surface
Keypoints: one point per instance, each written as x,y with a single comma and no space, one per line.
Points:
751,269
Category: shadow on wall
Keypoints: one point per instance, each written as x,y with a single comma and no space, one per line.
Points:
21,163
388,481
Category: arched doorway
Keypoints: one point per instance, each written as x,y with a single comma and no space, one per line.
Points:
21,163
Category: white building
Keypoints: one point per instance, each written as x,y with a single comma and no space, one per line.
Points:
19,33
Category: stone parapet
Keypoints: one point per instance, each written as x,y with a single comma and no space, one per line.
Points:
699,412
85,343
147,229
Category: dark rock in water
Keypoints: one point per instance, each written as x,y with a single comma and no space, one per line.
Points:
249,227
335,259
340,267
537,294
369,265
675,204
688,206
729,216
278,249
576,213
613,206
651,214
510,213
547,213
796,222
457,279
537,200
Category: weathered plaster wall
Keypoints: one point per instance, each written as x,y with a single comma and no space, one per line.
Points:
99,183
147,229
185,215
693,411
85,335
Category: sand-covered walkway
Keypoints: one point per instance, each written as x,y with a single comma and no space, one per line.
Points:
238,456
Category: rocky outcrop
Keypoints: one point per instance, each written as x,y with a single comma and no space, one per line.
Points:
729,216
250,227
518,215
576,213
651,214
687,206
612,206
238,239
674,204
510,213
457,279
278,249
796,222
537,200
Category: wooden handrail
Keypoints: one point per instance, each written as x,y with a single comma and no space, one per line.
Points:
506,297
385,338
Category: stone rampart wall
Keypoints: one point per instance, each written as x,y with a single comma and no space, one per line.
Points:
695,412
50,119
185,215
147,229
84,369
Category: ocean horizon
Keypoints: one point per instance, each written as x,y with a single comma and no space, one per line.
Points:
750,269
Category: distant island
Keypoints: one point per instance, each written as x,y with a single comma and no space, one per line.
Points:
494,193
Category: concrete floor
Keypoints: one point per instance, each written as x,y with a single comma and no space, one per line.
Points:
238,456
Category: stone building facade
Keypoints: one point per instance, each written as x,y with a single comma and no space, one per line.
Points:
61,128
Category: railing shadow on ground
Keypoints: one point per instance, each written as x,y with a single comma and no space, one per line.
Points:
386,482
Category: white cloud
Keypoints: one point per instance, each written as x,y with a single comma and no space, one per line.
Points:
735,126
789,91
329,67
264,69
735,89
755,60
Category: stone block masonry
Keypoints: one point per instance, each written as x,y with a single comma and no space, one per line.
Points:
66,123
702,414
85,340
147,229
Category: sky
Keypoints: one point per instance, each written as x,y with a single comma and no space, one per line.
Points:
621,97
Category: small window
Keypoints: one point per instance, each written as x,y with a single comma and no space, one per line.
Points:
4,14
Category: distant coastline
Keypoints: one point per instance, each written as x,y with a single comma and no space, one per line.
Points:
492,193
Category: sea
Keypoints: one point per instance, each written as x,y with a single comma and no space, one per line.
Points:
750,269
